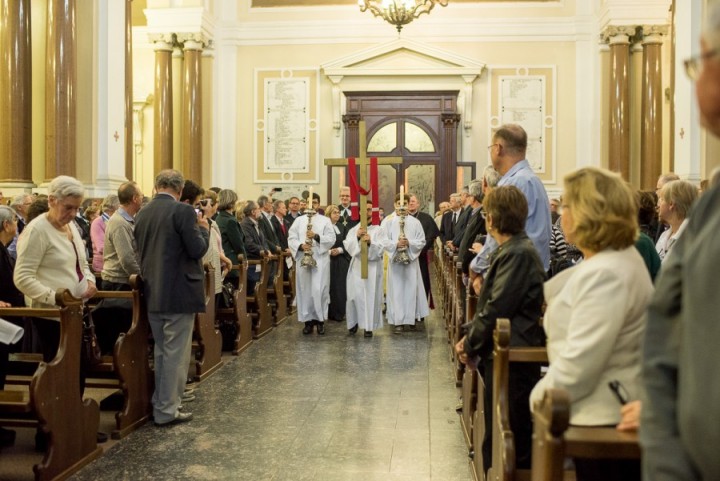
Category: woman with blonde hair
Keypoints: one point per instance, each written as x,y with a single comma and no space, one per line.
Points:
596,310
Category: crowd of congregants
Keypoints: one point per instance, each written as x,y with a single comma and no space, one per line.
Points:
622,281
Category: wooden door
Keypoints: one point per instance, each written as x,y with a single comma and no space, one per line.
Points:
421,127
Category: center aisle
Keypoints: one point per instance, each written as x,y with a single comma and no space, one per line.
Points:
326,408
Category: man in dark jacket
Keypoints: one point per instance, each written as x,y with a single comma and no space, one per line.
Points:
171,240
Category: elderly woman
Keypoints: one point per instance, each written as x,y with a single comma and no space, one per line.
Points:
233,240
339,265
596,311
674,202
51,255
513,288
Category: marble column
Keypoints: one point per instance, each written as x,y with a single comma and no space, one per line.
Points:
651,112
192,111
129,157
163,138
60,84
619,136
15,93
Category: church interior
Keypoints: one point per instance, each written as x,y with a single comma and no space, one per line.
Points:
260,96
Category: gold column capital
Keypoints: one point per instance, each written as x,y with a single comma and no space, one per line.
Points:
162,41
618,34
653,33
192,40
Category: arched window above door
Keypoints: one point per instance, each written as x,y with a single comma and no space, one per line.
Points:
384,140
415,139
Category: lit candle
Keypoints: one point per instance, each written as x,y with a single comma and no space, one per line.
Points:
402,195
310,197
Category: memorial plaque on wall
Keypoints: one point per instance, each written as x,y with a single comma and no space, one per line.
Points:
526,96
286,144
286,125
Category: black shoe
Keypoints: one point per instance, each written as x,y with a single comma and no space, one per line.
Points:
321,328
353,329
308,327
7,437
368,334
101,437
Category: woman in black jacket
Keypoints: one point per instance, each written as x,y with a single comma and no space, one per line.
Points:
233,239
513,289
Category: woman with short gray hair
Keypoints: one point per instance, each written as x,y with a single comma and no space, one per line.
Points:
51,256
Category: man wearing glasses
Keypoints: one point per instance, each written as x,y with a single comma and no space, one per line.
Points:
681,412
293,210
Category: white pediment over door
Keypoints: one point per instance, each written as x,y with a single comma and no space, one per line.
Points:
404,65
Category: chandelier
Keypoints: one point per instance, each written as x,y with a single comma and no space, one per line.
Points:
399,12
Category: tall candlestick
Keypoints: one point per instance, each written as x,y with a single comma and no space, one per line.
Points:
402,195
309,200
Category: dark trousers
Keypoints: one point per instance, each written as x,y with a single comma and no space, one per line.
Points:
521,380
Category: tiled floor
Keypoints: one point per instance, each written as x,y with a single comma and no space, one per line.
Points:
296,407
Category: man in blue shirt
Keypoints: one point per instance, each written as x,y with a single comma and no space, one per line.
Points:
507,151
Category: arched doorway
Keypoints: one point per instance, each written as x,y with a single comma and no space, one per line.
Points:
420,127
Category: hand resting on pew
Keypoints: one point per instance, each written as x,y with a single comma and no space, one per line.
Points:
630,416
470,362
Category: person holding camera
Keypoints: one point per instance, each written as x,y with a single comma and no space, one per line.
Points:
172,239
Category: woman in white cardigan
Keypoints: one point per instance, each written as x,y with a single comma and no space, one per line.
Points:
51,255
595,317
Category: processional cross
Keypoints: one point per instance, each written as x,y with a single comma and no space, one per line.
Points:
362,161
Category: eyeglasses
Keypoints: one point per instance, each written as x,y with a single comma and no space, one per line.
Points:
491,146
694,65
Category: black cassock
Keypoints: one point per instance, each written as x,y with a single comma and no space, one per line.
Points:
339,266
431,232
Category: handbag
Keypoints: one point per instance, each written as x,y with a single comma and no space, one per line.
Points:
228,295
90,354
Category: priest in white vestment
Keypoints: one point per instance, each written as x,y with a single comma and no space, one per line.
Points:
405,299
365,296
312,284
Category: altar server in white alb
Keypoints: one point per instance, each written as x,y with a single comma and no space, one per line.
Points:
312,284
365,296
406,299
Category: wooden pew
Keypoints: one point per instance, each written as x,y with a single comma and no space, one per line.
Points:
469,383
503,442
53,402
458,318
208,345
238,314
130,363
261,315
276,296
289,288
554,439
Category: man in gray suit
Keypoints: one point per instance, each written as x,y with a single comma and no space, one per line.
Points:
171,240
681,410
